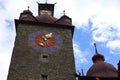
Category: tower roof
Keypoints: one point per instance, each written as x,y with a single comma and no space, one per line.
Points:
27,15
101,68
46,19
97,56
45,15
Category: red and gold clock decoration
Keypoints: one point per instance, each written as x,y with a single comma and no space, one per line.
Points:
45,41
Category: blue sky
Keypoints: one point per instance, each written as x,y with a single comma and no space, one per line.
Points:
94,20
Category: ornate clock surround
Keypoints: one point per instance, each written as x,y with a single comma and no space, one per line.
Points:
36,41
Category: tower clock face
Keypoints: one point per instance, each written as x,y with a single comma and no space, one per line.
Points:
46,12
45,41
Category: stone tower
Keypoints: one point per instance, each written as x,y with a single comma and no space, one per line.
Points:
43,46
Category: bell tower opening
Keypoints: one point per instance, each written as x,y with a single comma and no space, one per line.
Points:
45,9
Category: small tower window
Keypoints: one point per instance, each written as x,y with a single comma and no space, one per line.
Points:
45,57
68,20
44,77
24,15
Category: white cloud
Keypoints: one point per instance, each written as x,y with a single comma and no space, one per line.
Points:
80,56
106,27
104,32
99,11
4,64
104,16
114,46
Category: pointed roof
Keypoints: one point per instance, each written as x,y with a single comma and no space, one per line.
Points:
27,15
45,15
65,20
46,18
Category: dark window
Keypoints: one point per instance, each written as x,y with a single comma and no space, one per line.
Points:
43,77
45,58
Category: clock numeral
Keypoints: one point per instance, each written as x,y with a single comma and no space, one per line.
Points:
54,35
54,48
35,46
41,49
48,50
32,36
58,44
31,39
36,33
40,32
57,38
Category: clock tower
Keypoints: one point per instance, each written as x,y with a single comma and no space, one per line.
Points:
43,47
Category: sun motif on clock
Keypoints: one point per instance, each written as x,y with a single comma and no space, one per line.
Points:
45,41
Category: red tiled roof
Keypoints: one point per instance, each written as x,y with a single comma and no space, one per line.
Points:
46,18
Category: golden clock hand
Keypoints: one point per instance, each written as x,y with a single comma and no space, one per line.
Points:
45,39
48,35
43,42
